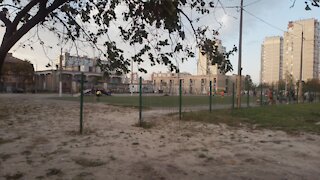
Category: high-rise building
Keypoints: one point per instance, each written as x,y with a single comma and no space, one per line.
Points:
271,59
281,59
204,66
293,41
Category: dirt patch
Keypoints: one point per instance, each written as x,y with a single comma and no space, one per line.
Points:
54,172
84,176
4,157
40,139
17,175
8,140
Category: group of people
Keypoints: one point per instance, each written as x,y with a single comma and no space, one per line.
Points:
280,96
286,96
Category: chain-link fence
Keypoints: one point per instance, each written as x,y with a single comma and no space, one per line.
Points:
178,98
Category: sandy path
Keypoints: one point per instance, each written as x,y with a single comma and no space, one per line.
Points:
39,140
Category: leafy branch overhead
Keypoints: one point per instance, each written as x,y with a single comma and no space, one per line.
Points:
313,3
157,29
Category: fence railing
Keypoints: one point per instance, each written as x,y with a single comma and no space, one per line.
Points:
177,103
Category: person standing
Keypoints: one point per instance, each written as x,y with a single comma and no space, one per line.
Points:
270,96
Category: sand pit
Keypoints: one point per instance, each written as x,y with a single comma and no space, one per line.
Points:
39,139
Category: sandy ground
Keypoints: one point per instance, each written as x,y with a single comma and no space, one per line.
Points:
39,139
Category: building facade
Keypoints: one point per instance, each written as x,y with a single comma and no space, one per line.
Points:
79,63
271,59
196,84
48,81
281,58
16,75
293,41
191,84
70,74
204,66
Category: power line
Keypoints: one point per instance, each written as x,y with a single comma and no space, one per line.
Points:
273,26
254,2
269,24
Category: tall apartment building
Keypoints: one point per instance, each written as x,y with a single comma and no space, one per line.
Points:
271,59
204,67
310,52
280,59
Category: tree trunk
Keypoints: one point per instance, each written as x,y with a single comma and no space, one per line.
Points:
3,55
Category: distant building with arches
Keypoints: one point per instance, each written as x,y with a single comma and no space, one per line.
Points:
196,84
72,67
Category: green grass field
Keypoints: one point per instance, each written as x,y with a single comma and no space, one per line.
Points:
290,118
158,101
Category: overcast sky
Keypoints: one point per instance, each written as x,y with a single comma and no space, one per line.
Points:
262,18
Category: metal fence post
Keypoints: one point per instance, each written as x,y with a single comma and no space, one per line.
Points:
232,95
261,94
289,96
180,98
210,98
297,96
81,104
140,101
248,94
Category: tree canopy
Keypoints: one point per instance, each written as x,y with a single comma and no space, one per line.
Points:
313,3
248,83
311,85
137,21
309,4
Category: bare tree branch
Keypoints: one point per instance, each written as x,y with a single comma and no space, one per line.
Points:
43,12
190,21
64,25
83,31
4,19
56,4
9,5
23,12
294,2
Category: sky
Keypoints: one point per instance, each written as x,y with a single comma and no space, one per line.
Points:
261,18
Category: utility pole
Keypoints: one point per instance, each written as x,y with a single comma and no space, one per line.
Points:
300,77
239,59
60,74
